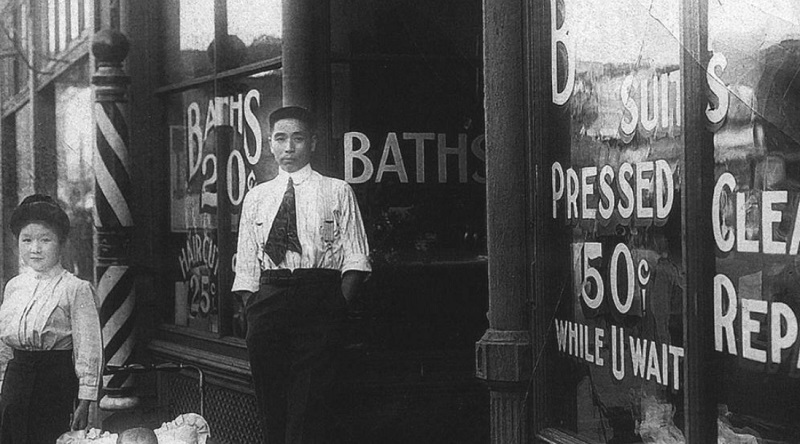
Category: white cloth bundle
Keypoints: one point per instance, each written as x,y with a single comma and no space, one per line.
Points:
189,428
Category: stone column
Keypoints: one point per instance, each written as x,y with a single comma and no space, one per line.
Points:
503,355
112,219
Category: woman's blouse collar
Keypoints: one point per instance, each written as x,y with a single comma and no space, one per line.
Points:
48,274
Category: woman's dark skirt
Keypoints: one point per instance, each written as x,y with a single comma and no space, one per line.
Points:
38,396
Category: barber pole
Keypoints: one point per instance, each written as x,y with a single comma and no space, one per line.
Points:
112,217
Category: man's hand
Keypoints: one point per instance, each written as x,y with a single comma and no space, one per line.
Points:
245,295
351,283
80,419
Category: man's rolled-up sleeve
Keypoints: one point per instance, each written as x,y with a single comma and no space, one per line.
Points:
354,237
248,269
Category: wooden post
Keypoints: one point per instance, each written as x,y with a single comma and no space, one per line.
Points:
113,219
698,245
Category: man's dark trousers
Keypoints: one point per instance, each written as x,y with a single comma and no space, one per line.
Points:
294,327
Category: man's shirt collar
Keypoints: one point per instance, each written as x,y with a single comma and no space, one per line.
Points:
298,176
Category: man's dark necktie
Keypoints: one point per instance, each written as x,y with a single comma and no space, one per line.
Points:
283,234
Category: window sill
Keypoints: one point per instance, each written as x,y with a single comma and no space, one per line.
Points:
206,342
443,263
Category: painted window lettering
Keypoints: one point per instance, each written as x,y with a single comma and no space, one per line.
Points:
449,153
239,112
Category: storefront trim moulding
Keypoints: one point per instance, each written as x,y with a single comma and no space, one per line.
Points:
220,370
246,70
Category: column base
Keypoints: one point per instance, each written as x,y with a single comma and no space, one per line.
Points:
504,356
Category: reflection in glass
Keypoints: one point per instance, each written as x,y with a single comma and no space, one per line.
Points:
74,19
253,35
88,14
62,24
74,147
754,112
51,22
196,24
617,193
25,166
189,31
257,25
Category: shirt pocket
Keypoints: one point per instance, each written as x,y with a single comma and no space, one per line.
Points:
330,228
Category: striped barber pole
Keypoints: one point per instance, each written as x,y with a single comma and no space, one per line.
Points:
112,218
117,301
112,166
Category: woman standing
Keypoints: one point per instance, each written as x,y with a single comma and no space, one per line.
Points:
50,343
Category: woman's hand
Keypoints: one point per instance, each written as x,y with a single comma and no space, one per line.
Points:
80,419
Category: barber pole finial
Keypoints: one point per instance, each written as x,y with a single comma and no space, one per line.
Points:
112,217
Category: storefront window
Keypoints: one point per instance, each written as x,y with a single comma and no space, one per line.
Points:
614,166
195,117
755,116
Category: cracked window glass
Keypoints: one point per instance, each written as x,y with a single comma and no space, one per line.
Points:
615,226
754,112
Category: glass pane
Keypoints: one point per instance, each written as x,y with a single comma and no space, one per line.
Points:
254,27
193,118
754,112
614,232
74,148
189,34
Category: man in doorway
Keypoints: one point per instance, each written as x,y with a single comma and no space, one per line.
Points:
302,254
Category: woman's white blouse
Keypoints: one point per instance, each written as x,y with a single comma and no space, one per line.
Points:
53,311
